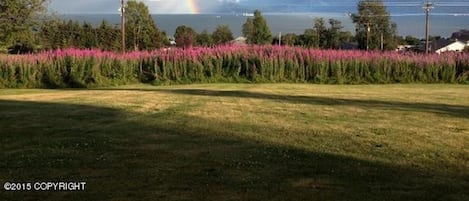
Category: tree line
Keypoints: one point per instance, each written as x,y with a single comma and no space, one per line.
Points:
25,32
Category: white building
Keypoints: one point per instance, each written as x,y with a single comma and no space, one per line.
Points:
239,41
444,45
404,48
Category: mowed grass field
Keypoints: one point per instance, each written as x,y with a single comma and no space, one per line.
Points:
239,142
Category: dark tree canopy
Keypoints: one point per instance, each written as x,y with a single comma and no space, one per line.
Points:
56,34
17,20
323,35
108,37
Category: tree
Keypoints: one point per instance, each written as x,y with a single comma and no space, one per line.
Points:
248,30
256,30
393,42
141,30
56,33
204,39
410,40
17,21
373,26
288,39
51,33
185,36
108,37
222,35
320,29
88,36
346,37
308,38
71,34
333,39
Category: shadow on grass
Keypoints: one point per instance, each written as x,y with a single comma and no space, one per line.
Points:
132,156
445,109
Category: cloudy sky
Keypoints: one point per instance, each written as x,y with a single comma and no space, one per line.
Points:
238,6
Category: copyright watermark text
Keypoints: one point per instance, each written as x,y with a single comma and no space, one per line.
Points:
45,186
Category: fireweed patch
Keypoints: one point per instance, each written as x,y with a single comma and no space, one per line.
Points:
81,68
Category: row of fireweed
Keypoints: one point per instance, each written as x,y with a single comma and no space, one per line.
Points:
89,68
66,68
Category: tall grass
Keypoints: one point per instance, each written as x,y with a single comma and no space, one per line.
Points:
91,68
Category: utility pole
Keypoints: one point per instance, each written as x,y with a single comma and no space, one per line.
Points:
279,38
427,7
123,25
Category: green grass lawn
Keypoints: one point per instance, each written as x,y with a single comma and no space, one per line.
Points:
239,142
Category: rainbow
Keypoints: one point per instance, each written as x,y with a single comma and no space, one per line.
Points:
194,8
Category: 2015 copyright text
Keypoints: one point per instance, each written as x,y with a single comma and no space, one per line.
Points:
45,186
